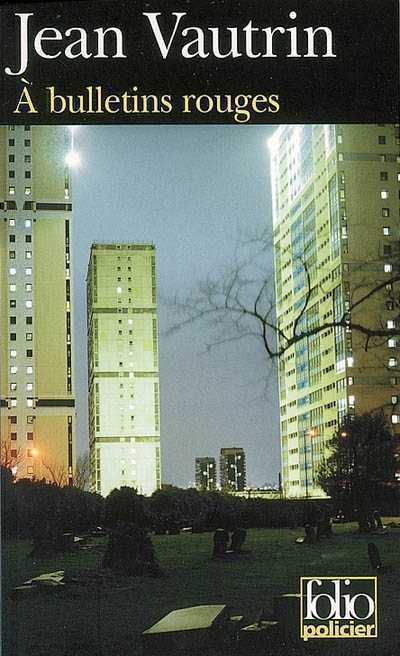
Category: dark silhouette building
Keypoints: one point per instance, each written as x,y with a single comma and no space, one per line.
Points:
206,473
233,469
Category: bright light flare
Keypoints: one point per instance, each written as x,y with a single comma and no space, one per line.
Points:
35,452
72,159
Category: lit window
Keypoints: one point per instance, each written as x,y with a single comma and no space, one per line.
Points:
13,369
28,223
392,342
29,387
13,288
29,370
29,403
28,337
350,361
340,157
28,255
13,353
13,387
27,191
119,290
387,268
12,271
28,304
350,380
390,324
28,287
384,194
11,223
11,190
392,362
386,231
395,400
28,271
385,211
13,403
395,419
352,400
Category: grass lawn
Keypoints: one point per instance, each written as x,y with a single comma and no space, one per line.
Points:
75,622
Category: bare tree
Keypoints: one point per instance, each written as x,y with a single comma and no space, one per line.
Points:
10,456
55,472
241,304
82,471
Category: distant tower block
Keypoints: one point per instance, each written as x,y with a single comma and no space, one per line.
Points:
206,474
124,403
233,469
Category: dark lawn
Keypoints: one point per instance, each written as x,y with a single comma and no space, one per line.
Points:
74,622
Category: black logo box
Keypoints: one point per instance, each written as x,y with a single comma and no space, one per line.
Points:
359,85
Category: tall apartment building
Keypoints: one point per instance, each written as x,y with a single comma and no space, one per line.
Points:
124,403
336,221
36,384
206,473
232,469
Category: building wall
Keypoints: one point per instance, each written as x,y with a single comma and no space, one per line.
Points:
206,473
124,403
36,386
330,217
233,469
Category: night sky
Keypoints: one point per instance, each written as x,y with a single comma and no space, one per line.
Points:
194,191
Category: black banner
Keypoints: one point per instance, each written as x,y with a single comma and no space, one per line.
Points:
175,61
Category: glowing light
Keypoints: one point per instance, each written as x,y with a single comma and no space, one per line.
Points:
72,159
35,452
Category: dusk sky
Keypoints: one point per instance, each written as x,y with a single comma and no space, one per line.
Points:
193,191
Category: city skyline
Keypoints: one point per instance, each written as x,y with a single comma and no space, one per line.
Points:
166,185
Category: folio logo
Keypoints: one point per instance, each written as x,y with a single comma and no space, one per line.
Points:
341,607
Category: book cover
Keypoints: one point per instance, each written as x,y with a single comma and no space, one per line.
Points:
200,329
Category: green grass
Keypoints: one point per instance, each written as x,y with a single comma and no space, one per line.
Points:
74,622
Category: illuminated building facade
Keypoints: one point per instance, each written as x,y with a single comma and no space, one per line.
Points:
37,404
336,237
124,399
